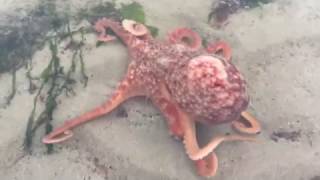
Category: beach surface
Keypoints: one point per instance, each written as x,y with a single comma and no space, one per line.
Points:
275,46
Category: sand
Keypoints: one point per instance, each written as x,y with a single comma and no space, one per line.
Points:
275,46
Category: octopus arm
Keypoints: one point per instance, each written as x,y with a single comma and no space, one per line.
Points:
127,88
104,23
208,166
205,167
164,103
250,125
192,148
220,46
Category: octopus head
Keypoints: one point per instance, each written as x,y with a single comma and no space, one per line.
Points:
215,90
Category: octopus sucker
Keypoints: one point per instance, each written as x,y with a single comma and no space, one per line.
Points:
220,47
134,28
188,83
59,138
185,36
100,28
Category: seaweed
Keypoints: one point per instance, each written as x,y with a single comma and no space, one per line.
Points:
13,87
18,42
54,80
255,3
82,65
154,30
50,72
133,11
287,135
57,81
106,9
224,8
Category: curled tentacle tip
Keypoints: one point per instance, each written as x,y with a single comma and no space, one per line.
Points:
134,27
53,140
207,167
249,125
99,25
187,37
220,46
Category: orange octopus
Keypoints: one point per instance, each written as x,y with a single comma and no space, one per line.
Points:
186,82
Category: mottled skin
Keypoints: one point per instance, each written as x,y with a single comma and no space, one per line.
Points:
186,82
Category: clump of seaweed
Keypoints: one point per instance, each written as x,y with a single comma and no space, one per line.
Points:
57,81
18,42
135,12
13,87
105,9
53,79
224,8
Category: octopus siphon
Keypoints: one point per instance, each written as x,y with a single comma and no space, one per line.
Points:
187,82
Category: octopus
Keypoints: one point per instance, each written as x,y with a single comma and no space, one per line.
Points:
187,82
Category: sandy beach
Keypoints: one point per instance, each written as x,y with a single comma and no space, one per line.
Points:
275,46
